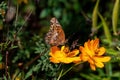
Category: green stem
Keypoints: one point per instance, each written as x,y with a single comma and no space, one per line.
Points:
109,69
24,22
69,69
106,29
16,15
60,75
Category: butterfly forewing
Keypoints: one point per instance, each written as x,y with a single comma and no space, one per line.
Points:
55,35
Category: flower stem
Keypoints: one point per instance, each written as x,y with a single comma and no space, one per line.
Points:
69,69
109,69
60,75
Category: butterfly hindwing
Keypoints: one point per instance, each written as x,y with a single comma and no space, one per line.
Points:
55,35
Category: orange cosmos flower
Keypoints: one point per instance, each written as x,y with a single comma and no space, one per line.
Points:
92,53
63,55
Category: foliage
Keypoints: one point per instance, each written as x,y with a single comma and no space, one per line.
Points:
24,55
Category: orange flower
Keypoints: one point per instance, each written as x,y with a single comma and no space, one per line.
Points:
63,55
92,53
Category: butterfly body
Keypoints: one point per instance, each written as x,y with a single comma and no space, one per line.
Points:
55,35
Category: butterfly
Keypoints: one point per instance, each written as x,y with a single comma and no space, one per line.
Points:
55,35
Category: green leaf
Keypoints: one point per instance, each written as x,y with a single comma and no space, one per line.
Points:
12,47
29,73
57,12
1,57
106,28
95,17
115,16
44,13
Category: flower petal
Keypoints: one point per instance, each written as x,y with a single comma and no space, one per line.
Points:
91,61
84,57
66,50
96,43
88,50
99,64
57,54
63,56
101,51
54,49
54,60
92,53
92,66
62,48
73,53
70,60
102,59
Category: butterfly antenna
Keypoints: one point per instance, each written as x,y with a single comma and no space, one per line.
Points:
74,44
88,20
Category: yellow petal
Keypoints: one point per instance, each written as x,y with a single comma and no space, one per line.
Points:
88,49
96,43
106,59
66,50
73,53
83,57
54,49
99,64
91,61
81,48
62,48
66,60
54,60
102,59
70,60
92,66
101,51
76,59
60,54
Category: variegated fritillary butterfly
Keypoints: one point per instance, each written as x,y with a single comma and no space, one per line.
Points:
55,35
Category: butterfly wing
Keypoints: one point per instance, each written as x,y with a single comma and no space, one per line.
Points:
55,35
